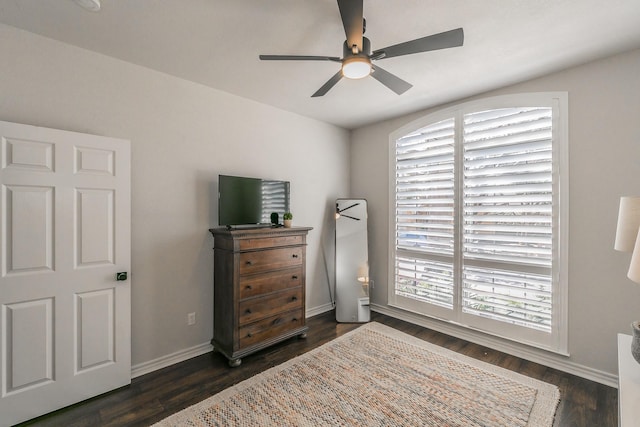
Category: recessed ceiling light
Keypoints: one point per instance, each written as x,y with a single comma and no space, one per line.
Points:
92,5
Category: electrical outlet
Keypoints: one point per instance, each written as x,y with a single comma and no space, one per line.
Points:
191,319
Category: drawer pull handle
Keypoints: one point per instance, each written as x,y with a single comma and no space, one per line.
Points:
295,319
247,311
295,255
294,277
277,321
294,298
248,287
249,335
249,262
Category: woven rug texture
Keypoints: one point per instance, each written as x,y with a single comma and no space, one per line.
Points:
378,376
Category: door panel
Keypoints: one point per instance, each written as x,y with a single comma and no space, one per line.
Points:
65,323
29,358
28,221
94,227
94,318
27,155
94,161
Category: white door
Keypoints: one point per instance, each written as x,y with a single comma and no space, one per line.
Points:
65,223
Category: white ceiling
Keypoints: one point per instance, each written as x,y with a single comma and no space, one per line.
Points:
217,43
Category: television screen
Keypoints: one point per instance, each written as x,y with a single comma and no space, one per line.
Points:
251,201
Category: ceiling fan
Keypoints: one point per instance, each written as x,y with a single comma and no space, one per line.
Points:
357,55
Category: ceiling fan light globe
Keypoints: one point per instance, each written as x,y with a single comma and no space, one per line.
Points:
356,67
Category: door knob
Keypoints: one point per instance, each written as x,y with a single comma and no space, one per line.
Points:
121,276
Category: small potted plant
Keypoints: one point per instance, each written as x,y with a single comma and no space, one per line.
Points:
287,217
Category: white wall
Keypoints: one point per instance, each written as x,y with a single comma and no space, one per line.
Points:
182,136
604,151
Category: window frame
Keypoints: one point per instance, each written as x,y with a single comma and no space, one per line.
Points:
557,340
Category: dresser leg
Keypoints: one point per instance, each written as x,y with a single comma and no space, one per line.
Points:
234,363
302,335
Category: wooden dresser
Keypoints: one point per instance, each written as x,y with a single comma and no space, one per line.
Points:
259,288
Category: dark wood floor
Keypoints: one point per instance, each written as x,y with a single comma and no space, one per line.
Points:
159,394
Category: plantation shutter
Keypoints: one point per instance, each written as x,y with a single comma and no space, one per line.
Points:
275,195
425,219
507,210
478,235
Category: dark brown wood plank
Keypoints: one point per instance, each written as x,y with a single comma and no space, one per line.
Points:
154,396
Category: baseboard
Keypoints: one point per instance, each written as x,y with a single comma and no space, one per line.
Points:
514,349
182,355
319,310
573,368
468,335
170,359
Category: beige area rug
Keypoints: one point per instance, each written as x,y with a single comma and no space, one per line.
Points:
378,376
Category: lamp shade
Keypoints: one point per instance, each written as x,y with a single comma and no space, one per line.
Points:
628,224
634,267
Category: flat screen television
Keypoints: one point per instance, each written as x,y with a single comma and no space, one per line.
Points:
246,202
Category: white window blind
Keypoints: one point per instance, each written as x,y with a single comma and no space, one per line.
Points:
476,230
425,212
508,215
274,198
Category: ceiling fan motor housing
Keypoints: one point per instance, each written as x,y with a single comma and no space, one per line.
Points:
347,50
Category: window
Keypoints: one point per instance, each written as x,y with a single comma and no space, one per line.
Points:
479,219
275,197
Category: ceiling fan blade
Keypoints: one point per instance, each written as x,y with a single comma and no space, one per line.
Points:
328,85
453,38
391,81
299,58
352,20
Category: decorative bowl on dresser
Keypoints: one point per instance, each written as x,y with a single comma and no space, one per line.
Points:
259,288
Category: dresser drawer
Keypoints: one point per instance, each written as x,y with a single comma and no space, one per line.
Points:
270,327
258,308
271,259
271,281
270,242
